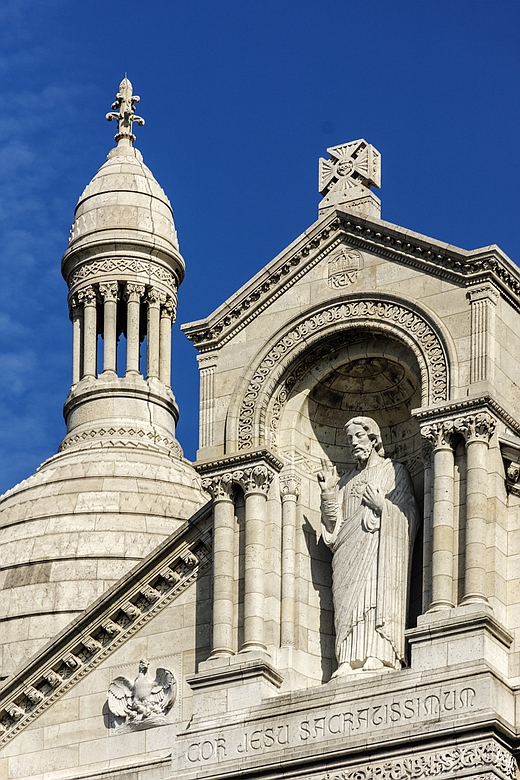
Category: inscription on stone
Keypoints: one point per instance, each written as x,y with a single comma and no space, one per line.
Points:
346,720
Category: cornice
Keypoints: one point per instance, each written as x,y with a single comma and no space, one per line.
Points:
238,460
106,625
465,406
392,242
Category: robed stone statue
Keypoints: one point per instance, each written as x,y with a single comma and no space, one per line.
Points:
369,520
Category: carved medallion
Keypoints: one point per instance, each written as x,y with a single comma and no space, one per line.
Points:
343,268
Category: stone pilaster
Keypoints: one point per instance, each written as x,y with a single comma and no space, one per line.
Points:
153,299
88,298
133,295
110,295
165,340
483,300
207,365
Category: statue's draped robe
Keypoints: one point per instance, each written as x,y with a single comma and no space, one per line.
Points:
371,563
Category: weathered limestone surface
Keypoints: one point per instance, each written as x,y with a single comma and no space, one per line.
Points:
114,554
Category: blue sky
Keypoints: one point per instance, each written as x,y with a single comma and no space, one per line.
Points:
240,101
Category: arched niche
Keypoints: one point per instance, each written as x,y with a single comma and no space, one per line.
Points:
369,374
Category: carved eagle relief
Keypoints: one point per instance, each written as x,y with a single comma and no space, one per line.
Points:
146,699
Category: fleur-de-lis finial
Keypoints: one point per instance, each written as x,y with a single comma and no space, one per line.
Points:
123,112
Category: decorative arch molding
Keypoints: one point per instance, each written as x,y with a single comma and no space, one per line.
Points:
389,315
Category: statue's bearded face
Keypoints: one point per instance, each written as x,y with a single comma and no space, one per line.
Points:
360,443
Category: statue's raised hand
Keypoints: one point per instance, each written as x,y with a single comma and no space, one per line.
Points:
327,477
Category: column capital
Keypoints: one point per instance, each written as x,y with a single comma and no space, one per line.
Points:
219,486
133,291
439,434
476,427
168,309
74,307
87,296
290,485
153,296
255,479
109,291
483,292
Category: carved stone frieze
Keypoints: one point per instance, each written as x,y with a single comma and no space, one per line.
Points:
480,426
123,437
120,267
449,763
95,636
390,315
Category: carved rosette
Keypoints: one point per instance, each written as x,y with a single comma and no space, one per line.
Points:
476,427
255,479
220,487
439,435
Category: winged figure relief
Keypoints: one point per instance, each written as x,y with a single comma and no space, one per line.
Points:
145,698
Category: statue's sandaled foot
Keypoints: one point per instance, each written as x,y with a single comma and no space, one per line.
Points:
344,670
373,664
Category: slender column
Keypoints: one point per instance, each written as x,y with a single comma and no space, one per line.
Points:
289,490
165,341
221,489
477,430
76,315
109,294
427,530
88,298
152,354
133,294
440,437
255,482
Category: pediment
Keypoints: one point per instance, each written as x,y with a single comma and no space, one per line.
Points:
104,627
384,239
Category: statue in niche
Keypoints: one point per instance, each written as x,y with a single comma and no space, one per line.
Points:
143,703
369,520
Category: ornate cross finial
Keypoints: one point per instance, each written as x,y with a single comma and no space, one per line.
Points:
123,112
345,179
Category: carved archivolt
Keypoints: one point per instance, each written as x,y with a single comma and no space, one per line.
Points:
395,318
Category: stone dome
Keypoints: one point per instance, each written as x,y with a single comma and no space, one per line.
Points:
124,208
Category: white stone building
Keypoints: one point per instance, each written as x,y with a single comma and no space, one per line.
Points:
118,549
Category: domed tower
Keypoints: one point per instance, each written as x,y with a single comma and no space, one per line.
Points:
119,484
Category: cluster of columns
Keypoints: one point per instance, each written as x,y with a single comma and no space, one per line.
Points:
476,430
255,481
84,315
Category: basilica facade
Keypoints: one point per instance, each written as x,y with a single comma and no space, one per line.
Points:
331,591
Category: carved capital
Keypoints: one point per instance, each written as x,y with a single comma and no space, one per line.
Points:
289,486
256,479
439,435
476,427
168,309
219,487
134,292
483,292
74,307
88,296
109,291
153,296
